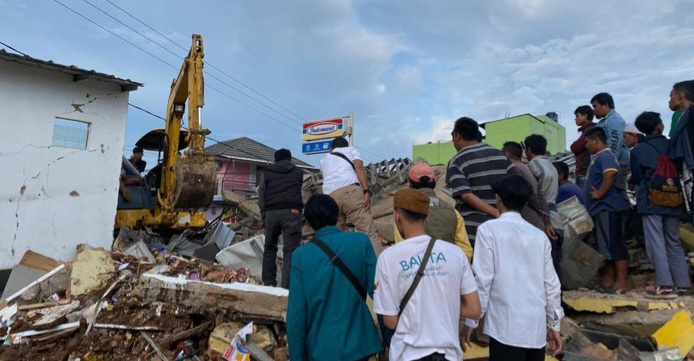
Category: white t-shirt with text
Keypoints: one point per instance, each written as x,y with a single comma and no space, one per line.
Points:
430,321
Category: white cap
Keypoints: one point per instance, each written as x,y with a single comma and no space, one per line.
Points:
631,128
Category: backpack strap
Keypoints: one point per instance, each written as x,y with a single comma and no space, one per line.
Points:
338,154
418,277
337,261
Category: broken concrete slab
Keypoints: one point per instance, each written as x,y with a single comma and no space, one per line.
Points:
247,300
678,332
50,282
251,208
264,339
20,277
32,266
245,254
51,317
595,304
140,250
92,269
630,323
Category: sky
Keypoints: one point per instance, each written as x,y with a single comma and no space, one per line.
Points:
406,70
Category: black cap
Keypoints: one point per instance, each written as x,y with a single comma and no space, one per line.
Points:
138,150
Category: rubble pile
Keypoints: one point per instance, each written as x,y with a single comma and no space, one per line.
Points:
118,306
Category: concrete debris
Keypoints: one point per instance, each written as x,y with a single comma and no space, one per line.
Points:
133,306
140,250
92,270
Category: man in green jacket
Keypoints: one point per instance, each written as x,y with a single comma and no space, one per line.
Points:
327,318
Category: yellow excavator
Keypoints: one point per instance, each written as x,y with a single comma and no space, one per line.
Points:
184,180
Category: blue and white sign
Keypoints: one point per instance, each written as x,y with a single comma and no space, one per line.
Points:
317,147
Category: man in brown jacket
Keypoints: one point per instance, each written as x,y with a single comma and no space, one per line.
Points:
584,121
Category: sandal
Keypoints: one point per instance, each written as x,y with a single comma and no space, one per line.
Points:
661,293
682,291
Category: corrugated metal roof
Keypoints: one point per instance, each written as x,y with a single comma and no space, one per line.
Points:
248,150
76,72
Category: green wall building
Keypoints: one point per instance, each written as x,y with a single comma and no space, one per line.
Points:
434,153
498,132
517,128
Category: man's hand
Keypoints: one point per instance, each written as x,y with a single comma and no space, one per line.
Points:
465,337
367,201
551,233
554,342
594,193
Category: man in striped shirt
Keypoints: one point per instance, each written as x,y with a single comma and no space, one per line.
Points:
472,172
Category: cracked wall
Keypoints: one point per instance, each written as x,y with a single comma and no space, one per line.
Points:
51,198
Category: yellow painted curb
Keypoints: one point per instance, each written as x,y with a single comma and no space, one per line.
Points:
598,305
678,332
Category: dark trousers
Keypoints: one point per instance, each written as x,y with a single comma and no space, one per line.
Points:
557,251
433,357
500,352
286,222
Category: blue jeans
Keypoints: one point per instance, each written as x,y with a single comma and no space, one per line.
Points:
580,181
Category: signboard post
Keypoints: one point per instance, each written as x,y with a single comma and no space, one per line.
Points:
326,129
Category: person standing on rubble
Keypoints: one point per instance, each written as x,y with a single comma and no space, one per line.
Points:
327,315
584,121
536,207
345,180
423,287
661,224
608,208
471,173
281,204
548,188
519,289
613,124
682,141
445,222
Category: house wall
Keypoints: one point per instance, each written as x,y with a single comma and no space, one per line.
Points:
434,153
51,198
516,129
235,176
507,130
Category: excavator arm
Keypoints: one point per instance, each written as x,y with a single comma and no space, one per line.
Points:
188,180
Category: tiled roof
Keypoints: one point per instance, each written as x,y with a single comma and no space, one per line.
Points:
76,72
247,149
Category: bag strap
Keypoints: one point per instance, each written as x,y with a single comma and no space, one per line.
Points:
654,147
337,261
338,154
418,277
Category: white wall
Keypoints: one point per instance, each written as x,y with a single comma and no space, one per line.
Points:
52,199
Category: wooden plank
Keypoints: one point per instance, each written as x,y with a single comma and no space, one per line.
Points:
38,261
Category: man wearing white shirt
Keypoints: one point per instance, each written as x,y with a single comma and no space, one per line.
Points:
345,180
519,289
427,327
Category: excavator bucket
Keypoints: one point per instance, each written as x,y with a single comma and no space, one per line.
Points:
196,177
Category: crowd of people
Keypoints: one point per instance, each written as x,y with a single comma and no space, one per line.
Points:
492,262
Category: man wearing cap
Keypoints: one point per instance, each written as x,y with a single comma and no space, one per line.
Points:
445,223
345,180
281,203
426,327
632,135
137,160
